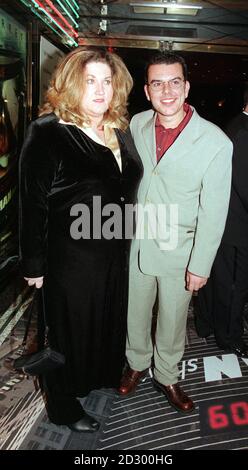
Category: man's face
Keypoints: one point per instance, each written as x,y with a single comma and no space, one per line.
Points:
168,98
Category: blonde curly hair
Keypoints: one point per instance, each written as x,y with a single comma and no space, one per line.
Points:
64,95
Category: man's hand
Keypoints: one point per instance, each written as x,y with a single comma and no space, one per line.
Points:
194,282
35,281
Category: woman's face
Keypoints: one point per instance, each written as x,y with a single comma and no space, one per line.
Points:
98,90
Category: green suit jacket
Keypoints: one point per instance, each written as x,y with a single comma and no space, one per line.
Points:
186,196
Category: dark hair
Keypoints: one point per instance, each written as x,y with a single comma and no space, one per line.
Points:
167,58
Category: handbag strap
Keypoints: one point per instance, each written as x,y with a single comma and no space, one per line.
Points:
30,313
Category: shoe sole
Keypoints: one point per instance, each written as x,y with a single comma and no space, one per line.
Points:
159,388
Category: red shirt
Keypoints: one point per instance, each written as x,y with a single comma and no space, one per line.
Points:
166,137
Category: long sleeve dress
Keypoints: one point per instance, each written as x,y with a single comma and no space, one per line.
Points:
66,181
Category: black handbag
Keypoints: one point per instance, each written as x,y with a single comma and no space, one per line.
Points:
42,361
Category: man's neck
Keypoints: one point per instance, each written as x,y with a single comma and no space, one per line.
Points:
171,122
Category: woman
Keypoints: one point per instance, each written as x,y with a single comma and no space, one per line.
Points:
79,168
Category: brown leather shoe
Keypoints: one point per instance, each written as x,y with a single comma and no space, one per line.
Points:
176,397
131,378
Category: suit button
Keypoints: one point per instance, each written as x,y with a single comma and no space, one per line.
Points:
122,198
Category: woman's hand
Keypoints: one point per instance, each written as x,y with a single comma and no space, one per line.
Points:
35,281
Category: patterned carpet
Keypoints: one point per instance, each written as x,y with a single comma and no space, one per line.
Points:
217,382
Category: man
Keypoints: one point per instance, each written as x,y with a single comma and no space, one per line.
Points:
221,303
187,170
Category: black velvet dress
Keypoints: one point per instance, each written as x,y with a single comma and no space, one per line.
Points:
85,277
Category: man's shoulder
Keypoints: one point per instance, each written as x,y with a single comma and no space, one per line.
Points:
236,124
237,119
212,131
143,117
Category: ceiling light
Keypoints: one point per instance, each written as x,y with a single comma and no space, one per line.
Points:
164,5
179,11
170,8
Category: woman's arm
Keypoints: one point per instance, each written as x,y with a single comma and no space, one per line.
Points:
37,172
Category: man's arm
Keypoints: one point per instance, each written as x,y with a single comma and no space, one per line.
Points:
194,282
213,206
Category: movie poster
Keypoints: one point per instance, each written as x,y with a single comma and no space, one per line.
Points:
50,55
12,126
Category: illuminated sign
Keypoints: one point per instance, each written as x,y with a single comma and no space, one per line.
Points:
224,415
61,16
223,406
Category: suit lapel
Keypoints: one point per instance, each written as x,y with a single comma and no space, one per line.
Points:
148,133
183,143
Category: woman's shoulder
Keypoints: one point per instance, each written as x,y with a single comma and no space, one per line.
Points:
46,121
43,128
